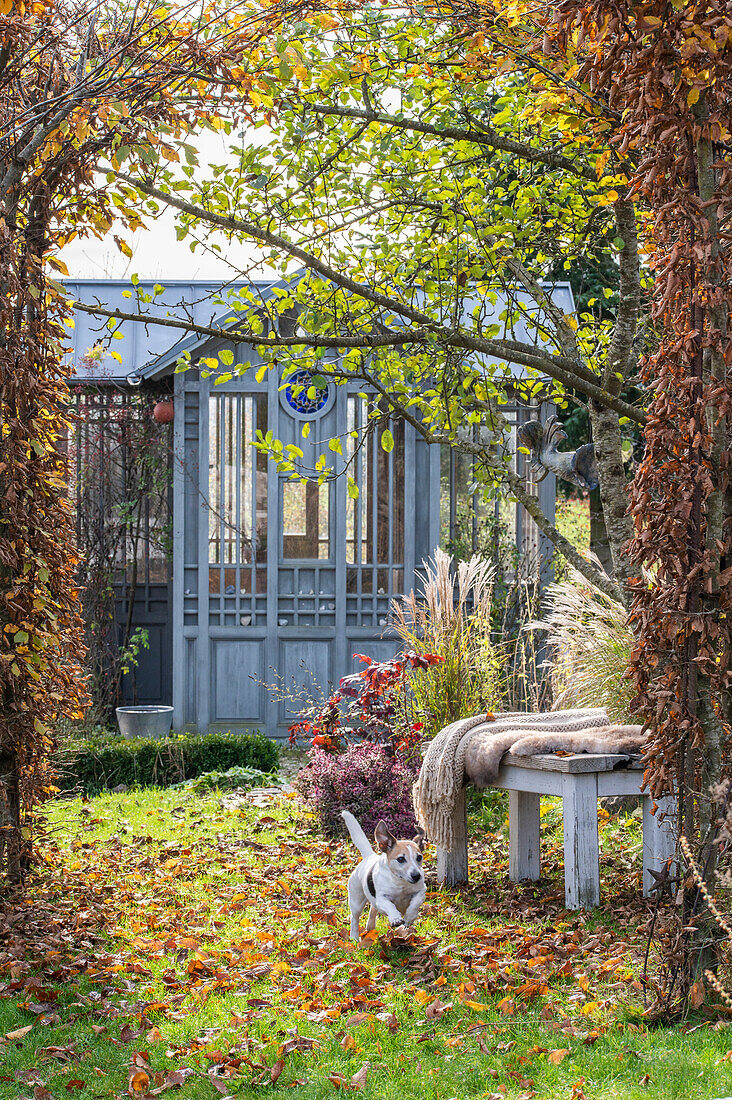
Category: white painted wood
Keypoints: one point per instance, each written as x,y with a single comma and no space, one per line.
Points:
527,778
581,849
452,867
511,778
659,837
619,783
524,835
579,762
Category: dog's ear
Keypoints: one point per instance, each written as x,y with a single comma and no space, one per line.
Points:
420,839
383,837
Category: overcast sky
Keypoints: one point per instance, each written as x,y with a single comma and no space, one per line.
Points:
157,253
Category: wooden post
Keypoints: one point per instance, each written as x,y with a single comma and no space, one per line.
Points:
581,850
452,867
659,837
524,835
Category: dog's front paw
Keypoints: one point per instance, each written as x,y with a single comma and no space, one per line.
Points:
397,923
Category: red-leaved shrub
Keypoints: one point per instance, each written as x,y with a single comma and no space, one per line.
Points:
367,779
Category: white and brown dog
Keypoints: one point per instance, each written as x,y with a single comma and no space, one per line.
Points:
391,881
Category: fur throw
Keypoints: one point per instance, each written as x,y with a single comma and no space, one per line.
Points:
471,750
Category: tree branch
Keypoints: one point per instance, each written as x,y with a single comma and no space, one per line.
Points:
507,350
486,135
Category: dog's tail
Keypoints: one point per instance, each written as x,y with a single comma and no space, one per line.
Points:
358,836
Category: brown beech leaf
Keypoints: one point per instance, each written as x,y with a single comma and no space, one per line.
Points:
697,994
337,1080
436,1010
221,1086
556,1057
359,1079
40,1092
348,1042
19,1033
173,1080
276,1069
75,1083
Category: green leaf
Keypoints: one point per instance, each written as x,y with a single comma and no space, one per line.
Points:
387,440
226,356
353,490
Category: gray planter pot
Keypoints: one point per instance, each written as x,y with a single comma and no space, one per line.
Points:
151,721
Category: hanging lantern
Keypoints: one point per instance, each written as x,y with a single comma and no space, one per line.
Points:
164,411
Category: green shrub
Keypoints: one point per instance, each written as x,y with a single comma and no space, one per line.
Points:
235,778
99,763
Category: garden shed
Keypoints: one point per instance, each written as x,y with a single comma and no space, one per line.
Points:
262,579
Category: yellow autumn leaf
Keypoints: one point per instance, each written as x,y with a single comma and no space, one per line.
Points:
693,96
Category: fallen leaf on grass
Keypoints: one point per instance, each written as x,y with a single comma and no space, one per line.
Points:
359,1079
40,1092
221,1086
436,1010
645,1080
138,1081
348,1042
75,1083
507,1006
337,1080
173,1080
276,1069
697,994
19,1033
557,1056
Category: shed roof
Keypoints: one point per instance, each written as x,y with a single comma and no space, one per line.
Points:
201,301
151,350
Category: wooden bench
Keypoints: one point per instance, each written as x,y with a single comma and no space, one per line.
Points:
580,780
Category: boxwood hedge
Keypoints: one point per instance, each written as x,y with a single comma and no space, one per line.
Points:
95,765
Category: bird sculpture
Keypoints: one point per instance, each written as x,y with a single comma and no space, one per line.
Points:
543,441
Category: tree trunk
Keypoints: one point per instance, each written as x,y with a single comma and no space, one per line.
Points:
10,848
599,544
613,491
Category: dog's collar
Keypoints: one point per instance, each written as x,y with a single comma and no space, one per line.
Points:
370,883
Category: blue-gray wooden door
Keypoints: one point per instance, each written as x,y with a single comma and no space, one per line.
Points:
277,583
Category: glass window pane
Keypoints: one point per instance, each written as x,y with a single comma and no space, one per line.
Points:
237,481
305,520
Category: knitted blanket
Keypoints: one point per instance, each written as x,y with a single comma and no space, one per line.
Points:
472,748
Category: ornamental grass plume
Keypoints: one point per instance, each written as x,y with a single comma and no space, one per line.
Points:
589,643
451,619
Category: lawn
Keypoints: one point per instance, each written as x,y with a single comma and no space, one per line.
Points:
196,947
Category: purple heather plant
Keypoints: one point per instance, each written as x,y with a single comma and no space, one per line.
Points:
367,779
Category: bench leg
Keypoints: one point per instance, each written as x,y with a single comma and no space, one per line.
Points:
524,835
581,849
452,867
659,837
